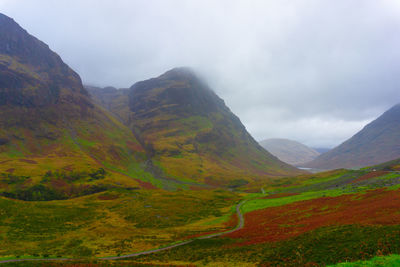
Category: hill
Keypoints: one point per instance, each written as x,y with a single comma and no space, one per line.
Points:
55,143
309,220
190,132
377,142
172,132
289,151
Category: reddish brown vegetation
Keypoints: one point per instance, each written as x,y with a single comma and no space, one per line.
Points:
195,187
59,183
28,161
201,234
69,168
233,221
107,263
369,176
280,195
375,207
228,225
108,197
134,146
146,185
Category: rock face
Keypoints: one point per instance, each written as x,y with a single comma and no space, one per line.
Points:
177,131
31,74
46,115
189,132
193,134
289,151
35,84
378,142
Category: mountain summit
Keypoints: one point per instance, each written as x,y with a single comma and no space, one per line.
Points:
52,136
377,142
32,74
190,133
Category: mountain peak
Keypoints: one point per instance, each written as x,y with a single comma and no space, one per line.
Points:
4,18
30,73
179,87
179,72
187,124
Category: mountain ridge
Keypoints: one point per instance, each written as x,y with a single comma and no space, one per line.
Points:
52,136
377,142
289,151
189,129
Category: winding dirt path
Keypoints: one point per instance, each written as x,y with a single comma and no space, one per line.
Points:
238,227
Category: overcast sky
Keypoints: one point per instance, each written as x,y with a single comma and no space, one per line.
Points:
315,71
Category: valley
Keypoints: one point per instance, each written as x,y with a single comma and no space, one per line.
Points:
311,213
164,173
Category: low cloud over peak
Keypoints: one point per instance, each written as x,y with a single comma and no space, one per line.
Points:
310,70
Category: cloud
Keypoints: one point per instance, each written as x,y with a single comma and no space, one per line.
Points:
312,70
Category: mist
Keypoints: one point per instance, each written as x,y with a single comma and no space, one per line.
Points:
315,71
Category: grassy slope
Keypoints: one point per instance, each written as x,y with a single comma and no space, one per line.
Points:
311,220
389,261
190,133
73,145
109,223
48,123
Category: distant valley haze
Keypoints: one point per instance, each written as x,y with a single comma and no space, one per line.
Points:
312,71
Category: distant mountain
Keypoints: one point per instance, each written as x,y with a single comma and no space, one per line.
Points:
113,99
321,150
289,151
378,142
190,132
53,138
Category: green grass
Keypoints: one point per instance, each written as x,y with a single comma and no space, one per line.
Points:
223,218
256,204
388,261
320,247
85,142
124,222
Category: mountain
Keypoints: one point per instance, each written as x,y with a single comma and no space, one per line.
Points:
189,132
112,99
377,142
52,136
321,150
289,151
170,132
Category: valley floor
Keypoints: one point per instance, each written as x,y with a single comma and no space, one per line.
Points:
309,220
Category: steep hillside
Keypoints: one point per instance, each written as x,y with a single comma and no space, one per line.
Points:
192,134
378,142
289,151
189,131
52,137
